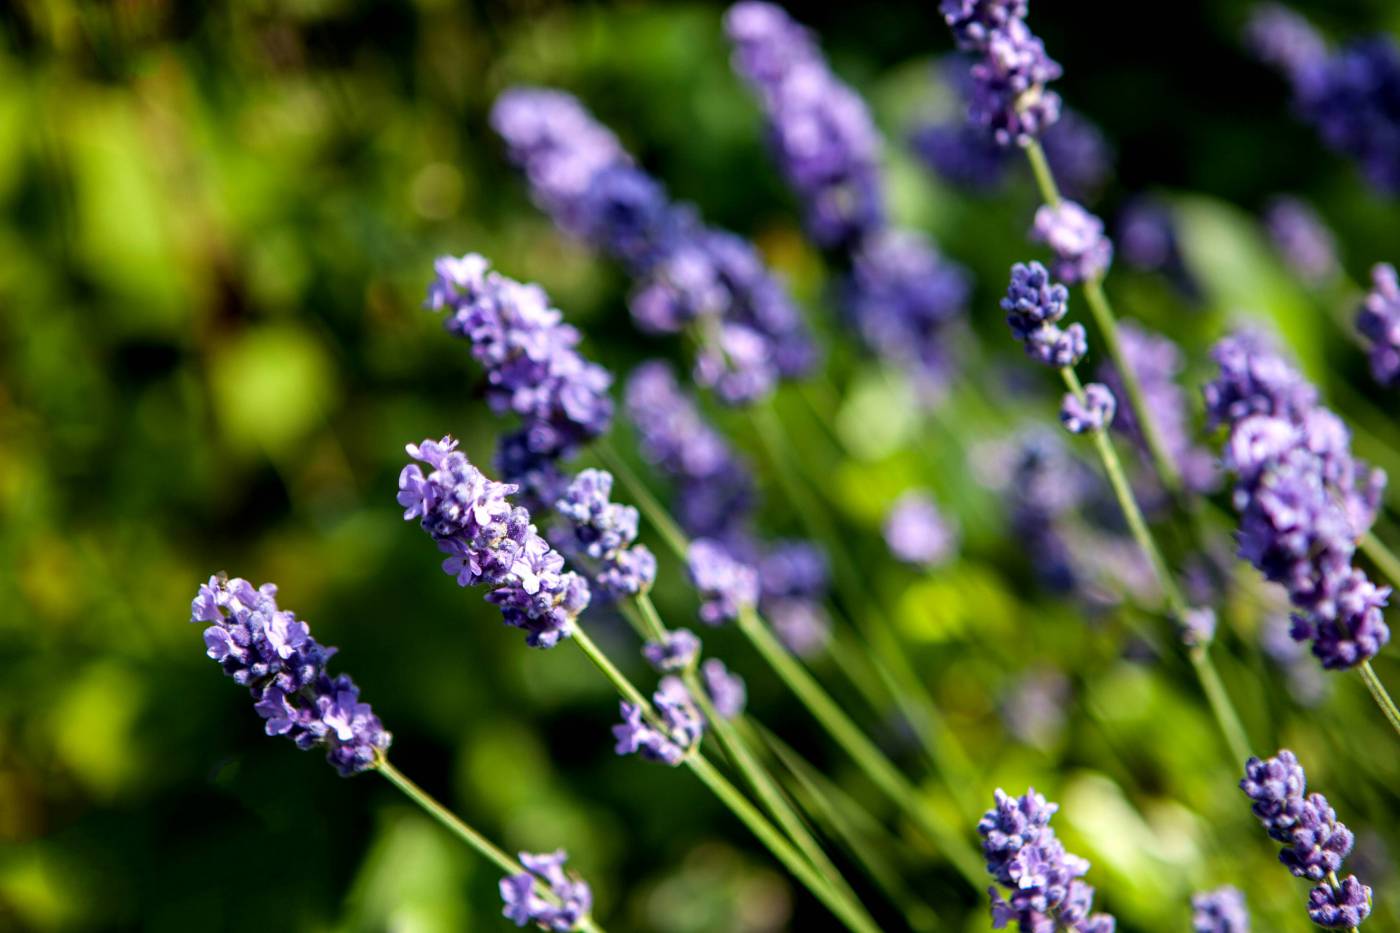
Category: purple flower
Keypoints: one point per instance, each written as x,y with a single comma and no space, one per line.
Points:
678,727
727,691
1315,843
572,898
1034,709
687,275
491,542
1304,500
1302,239
1379,322
902,297
725,584
1008,97
1158,364
1093,413
1033,304
1076,238
973,21
1043,880
917,533
676,653
1340,908
802,624
533,367
1079,155
271,652
1279,37
820,130
601,533
1220,911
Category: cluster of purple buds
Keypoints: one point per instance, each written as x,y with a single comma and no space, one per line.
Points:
1379,322
1351,96
917,533
714,488
1304,500
571,898
688,276
1196,626
678,651
533,367
1076,237
1302,239
1034,303
1093,412
726,584
676,729
601,533
1158,363
1043,880
1220,911
1315,843
967,156
271,652
793,582
820,130
491,542
1009,98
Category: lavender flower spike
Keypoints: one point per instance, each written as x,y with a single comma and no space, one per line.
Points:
1219,911
1379,322
601,533
271,652
1302,239
676,653
821,131
573,899
725,584
1077,239
1009,99
533,367
1315,843
1042,879
1094,413
1033,304
491,542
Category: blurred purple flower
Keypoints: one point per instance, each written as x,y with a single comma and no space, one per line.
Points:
523,904
727,691
1220,911
1094,413
1076,237
1302,239
725,584
917,533
1379,322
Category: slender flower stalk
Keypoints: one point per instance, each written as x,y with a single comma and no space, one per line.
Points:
526,899
731,739
1220,704
795,862
891,659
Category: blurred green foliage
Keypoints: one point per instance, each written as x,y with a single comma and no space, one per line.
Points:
216,224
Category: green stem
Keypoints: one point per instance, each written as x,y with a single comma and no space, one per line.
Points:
655,512
890,659
1380,694
845,820
760,827
739,752
1224,711
457,827
1107,324
1382,556
801,869
862,751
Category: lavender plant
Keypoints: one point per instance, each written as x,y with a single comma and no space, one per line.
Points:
1379,322
689,277
1315,842
1043,880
